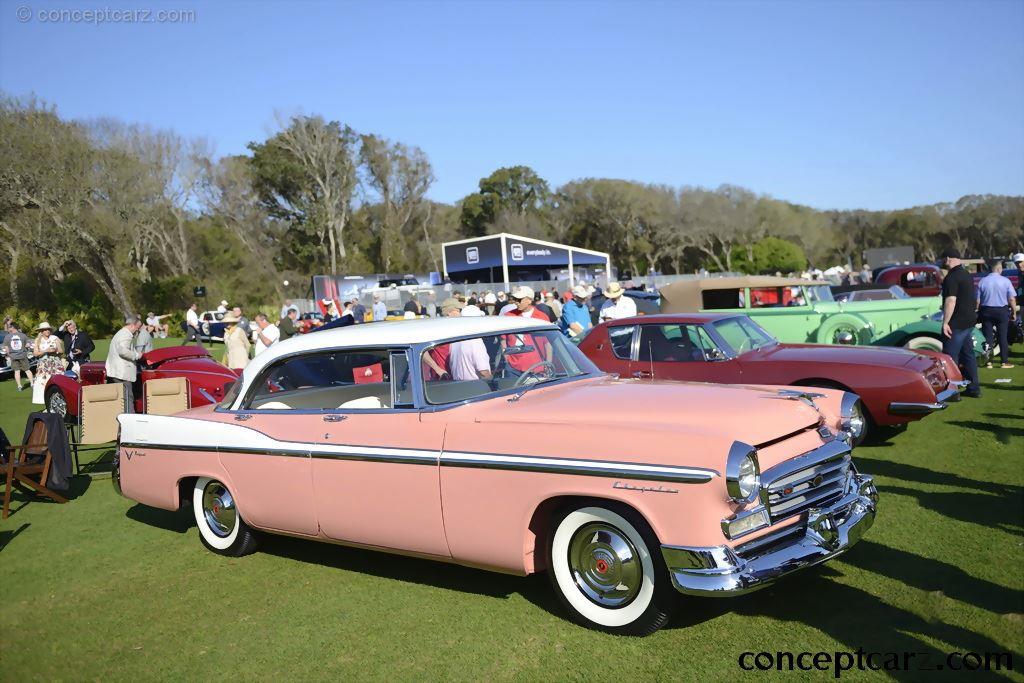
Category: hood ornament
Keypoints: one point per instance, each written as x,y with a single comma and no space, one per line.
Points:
807,397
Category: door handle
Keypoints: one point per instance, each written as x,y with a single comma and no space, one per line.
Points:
643,374
242,417
335,418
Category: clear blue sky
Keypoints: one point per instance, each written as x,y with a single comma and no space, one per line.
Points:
835,105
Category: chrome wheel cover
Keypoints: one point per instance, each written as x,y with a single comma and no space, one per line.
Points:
219,509
605,565
57,405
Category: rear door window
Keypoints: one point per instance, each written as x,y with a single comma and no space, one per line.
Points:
332,380
621,339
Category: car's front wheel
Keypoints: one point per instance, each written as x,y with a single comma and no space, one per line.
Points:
605,565
221,528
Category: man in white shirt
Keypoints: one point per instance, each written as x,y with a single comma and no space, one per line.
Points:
617,306
267,334
192,325
469,360
223,308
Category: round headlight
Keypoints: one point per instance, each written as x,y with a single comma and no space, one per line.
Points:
742,473
852,419
856,420
748,477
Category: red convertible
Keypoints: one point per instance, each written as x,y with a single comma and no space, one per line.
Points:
895,386
204,374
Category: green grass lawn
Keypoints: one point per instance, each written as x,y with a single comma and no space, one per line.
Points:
102,588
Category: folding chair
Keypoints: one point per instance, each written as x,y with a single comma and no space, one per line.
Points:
166,396
99,406
27,462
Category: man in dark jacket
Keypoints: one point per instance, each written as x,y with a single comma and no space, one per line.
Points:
78,345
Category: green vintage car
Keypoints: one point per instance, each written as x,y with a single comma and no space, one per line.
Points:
927,334
802,311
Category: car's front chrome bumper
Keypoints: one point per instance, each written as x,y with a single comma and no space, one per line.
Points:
942,399
823,534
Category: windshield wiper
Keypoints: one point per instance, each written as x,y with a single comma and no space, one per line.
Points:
526,387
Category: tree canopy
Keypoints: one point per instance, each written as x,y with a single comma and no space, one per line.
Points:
101,218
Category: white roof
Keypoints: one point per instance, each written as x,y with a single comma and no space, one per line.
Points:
396,333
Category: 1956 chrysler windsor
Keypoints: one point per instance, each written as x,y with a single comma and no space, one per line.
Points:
493,442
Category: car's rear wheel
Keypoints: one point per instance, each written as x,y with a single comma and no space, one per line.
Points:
221,528
605,565
923,344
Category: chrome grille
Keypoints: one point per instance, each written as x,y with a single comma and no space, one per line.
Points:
799,486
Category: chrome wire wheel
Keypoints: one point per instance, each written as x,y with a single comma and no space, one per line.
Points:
56,404
605,565
219,509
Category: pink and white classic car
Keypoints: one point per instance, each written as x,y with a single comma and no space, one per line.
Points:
493,442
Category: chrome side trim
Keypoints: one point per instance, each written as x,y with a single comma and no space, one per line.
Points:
594,468
522,463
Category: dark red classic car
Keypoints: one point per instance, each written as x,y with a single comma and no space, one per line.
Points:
204,374
918,279
895,386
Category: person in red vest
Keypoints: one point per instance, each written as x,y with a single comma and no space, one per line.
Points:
517,363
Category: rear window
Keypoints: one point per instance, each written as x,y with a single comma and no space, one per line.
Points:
722,298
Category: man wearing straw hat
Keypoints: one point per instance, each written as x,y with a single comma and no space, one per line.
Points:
617,306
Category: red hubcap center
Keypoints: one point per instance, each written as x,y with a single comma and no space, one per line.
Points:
602,566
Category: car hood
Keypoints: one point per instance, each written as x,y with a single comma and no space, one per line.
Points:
830,353
755,415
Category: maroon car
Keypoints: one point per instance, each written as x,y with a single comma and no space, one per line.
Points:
895,385
918,279
206,378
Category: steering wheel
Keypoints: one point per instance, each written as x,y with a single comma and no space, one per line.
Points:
532,371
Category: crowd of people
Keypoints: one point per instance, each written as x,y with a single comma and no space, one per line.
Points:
571,311
993,302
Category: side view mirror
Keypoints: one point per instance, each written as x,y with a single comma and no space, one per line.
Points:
715,354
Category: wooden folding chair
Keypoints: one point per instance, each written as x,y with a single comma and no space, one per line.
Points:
99,406
166,396
29,464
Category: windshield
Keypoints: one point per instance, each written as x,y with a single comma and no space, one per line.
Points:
479,366
819,293
743,334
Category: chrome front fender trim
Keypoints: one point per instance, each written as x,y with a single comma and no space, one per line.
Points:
896,408
822,535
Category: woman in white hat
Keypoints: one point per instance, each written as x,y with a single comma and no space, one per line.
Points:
617,306
236,343
49,349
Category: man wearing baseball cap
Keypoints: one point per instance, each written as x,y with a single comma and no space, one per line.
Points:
575,318
540,350
959,314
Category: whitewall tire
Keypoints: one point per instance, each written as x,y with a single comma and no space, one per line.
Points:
606,568
924,344
221,528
